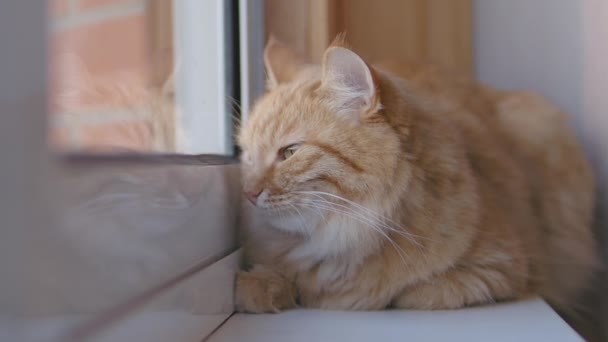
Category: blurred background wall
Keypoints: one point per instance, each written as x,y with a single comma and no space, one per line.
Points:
534,45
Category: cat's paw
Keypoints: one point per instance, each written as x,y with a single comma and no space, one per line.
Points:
263,290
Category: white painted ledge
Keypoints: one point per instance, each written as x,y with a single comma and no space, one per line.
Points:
531,320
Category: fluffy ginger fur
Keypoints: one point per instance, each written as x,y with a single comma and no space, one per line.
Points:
407,186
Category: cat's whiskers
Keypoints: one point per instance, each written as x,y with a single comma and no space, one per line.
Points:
369,218
236,108
367,221
377,220
300,220
352,214
378,216
320,194
336,209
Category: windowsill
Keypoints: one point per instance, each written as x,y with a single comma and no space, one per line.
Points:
147,326
531,320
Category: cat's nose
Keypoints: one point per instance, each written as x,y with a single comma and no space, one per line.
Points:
253,195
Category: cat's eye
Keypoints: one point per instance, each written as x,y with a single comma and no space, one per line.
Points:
288,151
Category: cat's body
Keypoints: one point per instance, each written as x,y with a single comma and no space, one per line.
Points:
426,192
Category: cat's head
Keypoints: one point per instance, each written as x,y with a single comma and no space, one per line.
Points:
319,135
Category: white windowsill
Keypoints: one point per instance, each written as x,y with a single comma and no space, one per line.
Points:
531,320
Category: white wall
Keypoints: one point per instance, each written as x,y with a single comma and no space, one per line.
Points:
594,120
558,48
535,45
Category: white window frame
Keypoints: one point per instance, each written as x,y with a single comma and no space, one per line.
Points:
204,121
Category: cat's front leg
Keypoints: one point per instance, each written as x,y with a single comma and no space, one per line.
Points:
264,290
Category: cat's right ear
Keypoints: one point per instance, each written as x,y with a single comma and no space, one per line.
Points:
351,83
282,63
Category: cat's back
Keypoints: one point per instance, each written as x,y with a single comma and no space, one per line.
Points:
534,136
444,87
562,185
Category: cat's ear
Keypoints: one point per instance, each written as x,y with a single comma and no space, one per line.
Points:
282,63
351,83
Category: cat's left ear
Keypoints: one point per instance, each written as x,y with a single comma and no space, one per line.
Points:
282,63
351,83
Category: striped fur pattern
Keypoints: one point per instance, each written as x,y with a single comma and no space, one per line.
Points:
407,186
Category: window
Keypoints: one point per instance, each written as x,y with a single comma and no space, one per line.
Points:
125,217
110,62
145,75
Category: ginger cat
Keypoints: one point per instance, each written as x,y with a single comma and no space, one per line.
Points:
414,189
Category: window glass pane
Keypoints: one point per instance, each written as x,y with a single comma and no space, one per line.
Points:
112,65
120,240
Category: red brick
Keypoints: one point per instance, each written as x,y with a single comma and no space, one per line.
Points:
119,44
114,51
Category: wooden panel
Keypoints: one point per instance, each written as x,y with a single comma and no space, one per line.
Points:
325,22
398,30
393,30
160,26
449,33
386,30
306,26
289,21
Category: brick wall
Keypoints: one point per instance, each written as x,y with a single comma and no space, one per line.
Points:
104,55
